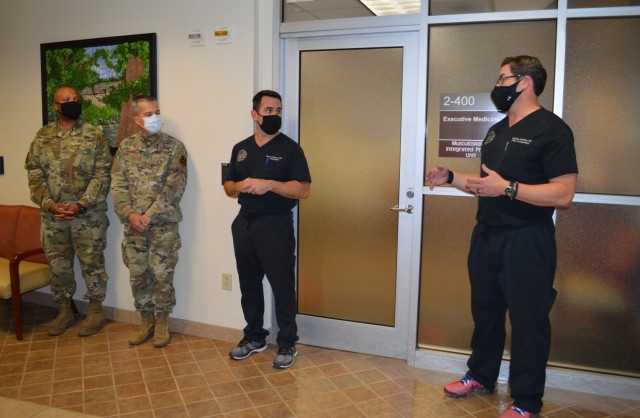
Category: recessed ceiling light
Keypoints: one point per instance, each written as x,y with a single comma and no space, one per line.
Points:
392,7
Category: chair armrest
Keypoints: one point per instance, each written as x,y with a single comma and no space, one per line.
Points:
14,268
18,257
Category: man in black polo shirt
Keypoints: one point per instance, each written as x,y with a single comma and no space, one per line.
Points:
268,173
528,169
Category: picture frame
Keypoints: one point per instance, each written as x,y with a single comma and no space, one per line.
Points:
107,73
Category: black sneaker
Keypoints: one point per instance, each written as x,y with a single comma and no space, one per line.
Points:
285,357
246,347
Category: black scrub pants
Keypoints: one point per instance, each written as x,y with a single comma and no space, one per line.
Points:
512,268
264,244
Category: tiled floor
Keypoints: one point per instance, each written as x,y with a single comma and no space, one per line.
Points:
194,377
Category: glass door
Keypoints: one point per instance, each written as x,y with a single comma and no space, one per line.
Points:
347,98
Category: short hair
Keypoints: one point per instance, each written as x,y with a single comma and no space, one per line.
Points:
257,99
135,105
526,65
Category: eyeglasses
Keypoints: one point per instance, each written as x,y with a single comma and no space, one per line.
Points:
504,78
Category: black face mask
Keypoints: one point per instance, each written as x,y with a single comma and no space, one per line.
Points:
71,110
271,124
503,97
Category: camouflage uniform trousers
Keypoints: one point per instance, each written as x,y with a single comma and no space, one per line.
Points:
85,237
151,257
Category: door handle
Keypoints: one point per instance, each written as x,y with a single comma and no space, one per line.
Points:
408,209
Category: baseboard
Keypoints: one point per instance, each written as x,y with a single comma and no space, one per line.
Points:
182,326
578,381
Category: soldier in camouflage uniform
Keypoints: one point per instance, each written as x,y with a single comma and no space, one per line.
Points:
68,168
149,176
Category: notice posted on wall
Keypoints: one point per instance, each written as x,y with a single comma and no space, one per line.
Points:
464,121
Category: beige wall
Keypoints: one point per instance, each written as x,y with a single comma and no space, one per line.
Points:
205,95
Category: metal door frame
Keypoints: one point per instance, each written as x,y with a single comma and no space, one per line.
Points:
398,341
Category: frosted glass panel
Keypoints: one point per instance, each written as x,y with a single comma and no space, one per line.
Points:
596,318
602,94
463,59
445,313
350,107
602,3
466,59
450,7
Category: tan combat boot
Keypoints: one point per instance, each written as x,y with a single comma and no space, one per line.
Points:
94,321
161,335
145,330
64,319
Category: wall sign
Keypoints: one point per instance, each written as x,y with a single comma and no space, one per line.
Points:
464,121
222,34
197,37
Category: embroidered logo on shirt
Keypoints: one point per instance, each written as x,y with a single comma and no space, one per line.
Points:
490,137
272,158
242,154
521,141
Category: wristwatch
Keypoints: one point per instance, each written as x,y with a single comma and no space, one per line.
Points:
81,208
449,177
512,190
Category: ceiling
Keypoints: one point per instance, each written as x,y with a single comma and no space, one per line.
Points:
303,10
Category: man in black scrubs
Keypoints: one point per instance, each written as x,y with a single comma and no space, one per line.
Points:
268,173
528,169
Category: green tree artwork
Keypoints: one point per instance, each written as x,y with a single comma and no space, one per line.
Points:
107,73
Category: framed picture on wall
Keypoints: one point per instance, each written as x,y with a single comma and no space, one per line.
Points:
107,73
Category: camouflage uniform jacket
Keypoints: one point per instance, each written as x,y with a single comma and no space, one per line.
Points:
149,176
69,167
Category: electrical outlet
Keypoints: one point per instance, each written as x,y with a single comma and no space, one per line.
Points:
226,281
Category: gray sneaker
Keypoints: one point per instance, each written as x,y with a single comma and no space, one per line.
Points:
285,358
246,347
